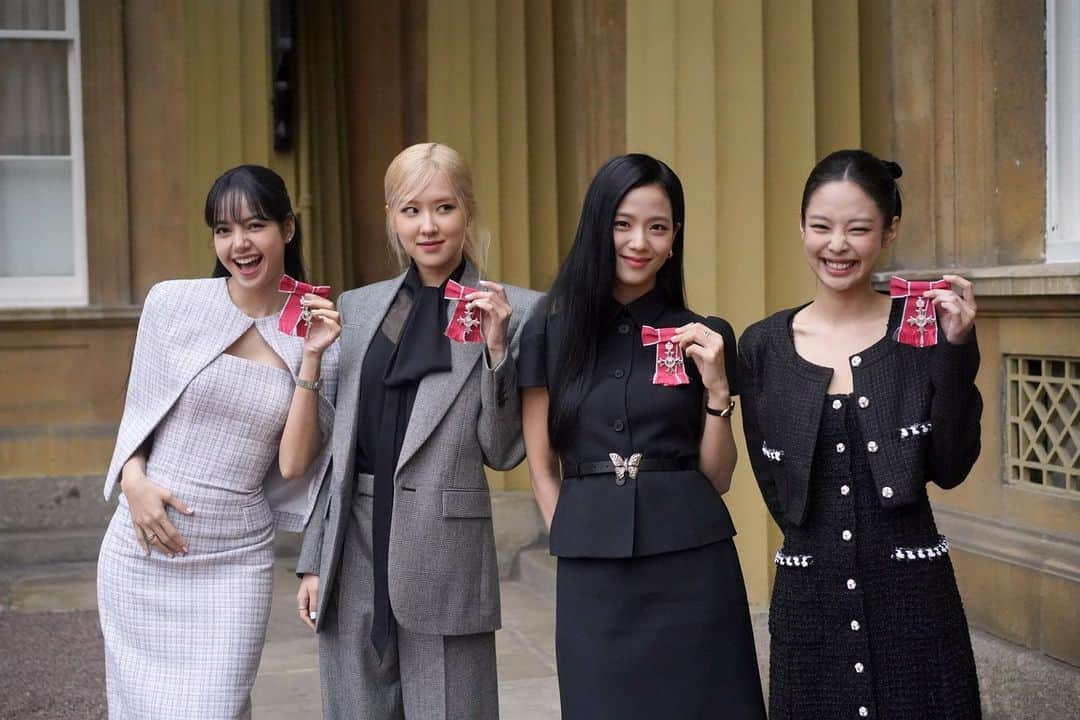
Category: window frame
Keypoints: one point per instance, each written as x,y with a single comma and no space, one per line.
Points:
59,290
1062,131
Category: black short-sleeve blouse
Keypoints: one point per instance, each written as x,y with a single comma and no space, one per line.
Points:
623,412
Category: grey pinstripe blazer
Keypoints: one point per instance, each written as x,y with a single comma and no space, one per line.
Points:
444,578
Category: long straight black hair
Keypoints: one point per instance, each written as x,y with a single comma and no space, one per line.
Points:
583,288
267,199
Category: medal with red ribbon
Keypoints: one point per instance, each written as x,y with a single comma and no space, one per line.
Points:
464,326
918,327
670,365
295,318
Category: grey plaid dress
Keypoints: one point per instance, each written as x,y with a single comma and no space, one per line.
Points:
183,636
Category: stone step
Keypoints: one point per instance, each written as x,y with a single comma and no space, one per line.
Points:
37,503
33,548
536,569
52,587
56,545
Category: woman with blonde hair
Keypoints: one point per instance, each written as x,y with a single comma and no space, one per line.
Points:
399,572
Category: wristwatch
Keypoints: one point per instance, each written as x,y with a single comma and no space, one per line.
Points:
308,384
726,412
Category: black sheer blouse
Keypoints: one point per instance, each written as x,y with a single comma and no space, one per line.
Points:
410,345
623,412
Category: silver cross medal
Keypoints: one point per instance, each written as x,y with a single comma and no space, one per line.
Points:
468,321
669,362
921,320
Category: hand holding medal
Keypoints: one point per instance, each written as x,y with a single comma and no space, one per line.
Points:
957,308
324,323
490,307
310,314
706,348
919,325
465,323
670,364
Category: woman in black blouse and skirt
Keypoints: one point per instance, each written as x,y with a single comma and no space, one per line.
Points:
631,393
850,407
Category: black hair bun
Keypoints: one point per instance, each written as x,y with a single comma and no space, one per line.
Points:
894,169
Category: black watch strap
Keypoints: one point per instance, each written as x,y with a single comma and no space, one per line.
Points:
726,412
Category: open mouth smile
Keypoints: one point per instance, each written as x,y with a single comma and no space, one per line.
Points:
248,265
839,267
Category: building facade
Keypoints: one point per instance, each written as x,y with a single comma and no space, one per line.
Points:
149,101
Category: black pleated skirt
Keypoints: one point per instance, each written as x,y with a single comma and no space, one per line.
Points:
658,637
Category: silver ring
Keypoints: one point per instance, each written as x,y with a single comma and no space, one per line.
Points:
151,537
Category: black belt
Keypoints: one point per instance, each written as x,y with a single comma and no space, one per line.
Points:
607,467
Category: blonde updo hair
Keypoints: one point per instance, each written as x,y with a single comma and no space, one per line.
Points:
410,172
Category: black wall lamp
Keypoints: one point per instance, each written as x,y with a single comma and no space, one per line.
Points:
283,71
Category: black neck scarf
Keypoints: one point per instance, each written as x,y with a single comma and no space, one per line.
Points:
422,348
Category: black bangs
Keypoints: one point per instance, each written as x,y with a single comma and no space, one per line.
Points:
264,193
230,207
226,199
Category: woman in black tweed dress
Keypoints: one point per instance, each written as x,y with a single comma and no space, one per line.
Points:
845,426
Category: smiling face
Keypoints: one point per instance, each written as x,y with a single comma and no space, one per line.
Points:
644,233
844,234
249,246
430,224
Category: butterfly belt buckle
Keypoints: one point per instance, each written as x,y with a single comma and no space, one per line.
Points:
625,466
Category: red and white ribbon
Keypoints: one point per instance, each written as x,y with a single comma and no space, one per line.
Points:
464,326
670,365
295,319
918,327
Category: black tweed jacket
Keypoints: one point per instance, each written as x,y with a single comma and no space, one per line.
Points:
919,411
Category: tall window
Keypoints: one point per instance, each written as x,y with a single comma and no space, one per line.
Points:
1062,131
42,197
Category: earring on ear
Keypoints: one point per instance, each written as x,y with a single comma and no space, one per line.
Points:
670,253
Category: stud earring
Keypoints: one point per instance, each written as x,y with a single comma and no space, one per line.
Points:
670,253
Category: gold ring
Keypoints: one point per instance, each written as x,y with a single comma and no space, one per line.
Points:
302,608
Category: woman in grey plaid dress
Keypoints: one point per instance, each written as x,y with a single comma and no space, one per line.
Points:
222,439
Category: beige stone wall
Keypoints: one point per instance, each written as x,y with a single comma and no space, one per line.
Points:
967,123
1016,546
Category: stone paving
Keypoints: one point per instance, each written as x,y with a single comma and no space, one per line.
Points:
37,654
288,682
51,666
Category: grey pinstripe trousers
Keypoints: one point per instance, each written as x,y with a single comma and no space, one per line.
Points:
421,677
